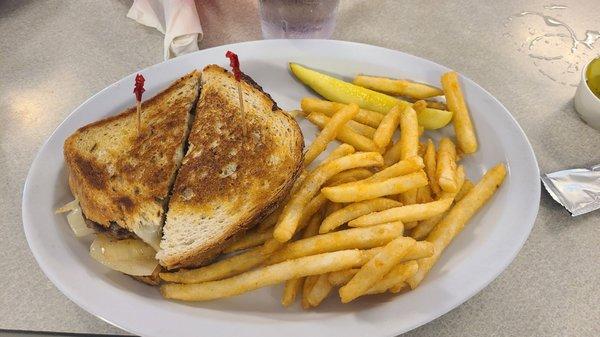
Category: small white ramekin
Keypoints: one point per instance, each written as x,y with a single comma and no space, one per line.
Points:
586,103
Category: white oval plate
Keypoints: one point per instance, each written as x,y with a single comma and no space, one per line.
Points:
482,251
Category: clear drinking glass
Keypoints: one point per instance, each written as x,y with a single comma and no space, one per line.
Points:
297,19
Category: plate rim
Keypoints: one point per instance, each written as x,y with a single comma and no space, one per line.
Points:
531,214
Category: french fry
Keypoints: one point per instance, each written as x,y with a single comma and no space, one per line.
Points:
345,134
319,291
339,278
269,275
399,287
225,268
397,87
339,152
424,195
431,167
409,133
294,285
391,281
290,291
329,132
403,167
367,117
290,217
396,276
361,238
446,166
463,127
419,105
309,282
445,231
466,187
332,207
353,211
392,154
365,190
249,240
376,268
409,198
385,130
424,227
361,129
348,176
405,213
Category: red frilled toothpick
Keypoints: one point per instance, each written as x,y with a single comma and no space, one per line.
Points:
234,62
138,90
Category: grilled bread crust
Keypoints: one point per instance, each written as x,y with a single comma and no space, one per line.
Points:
122,178
229,181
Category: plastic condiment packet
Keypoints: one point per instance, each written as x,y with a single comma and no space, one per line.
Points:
578,190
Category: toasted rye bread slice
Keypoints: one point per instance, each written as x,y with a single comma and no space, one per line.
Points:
123,179
228,182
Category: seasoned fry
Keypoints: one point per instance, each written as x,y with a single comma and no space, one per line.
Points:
339,152
376,268
456,219
339,278
348,176
361,129
385,131
425,226
463,127
400,286
424,195
431,167
355,210
319,291
396,276
290,291
393,281
294,285
446,166
420,249
309,282
409,133
361,238
269,275
392,155
405,214
367,117
332,207
329,132
365,190
403,167
225,268
345,134
290,217
466,187
397,87
249,240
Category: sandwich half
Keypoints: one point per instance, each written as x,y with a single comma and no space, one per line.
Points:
121,178
229,180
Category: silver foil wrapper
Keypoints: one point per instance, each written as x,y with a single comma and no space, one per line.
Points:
578,190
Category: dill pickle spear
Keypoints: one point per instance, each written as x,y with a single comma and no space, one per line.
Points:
337,90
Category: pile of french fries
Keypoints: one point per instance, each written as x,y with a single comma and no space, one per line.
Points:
372,217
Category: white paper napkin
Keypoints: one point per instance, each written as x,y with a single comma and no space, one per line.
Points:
177,19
